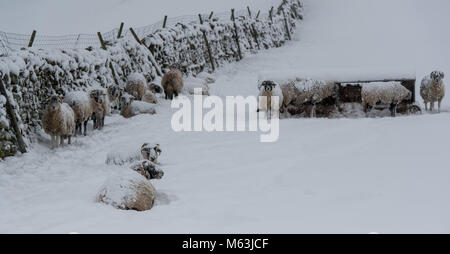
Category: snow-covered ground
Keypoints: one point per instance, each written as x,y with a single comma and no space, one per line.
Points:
386,175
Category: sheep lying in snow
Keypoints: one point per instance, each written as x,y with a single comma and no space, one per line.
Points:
267,90
100,107
172,82
81,104
148,169
58,121
136,85
385,93
149,97
131,108
151,152
128,191
432,89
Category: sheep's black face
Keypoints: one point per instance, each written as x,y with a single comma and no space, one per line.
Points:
98,96
268,85
151,170
155,88
150,152
175,66
437,76
54,103
114,91
156,174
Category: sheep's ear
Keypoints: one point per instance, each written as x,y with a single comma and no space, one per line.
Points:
442,75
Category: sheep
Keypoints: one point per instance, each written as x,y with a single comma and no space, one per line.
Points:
155,88
386,93
172,82
267,90
58,121
302,91
148,169
136,85
131,108
114,93
149,97
128,191
100,107
81,105
151,152
432,89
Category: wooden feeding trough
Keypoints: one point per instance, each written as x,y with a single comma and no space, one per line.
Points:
351,92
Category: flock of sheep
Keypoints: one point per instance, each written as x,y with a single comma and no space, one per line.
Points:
303,91
65,117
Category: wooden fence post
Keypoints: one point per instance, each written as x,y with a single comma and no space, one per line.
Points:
211,15
211,59
152,59
165,22
102,42
12,116
119,34
286,24
33,35
257,15
249,12
113,73
270,14
236,35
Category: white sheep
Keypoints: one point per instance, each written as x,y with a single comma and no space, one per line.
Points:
268,90
58,121
385,93
131,108
149,97
432,89
81,104
136,85
128,155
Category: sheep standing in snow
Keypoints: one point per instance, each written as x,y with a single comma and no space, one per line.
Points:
432,89
136,85
131,108
172,82
114,93
268,90
58,121
81,105
385,93
100,107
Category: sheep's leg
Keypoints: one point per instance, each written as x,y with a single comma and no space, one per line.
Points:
52,138
439,106
176,94
393,109
426,105
85,127
432,106
57,138
69,140
61,141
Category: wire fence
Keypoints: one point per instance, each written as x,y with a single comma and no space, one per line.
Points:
13,41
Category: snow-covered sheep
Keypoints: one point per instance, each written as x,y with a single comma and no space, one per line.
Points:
58,121
81,104
149,97
155,88
128,191
148,169
385,93
131,108
307,91
151,152
172,82
136,85
432,89
268,90
100,107
114,93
